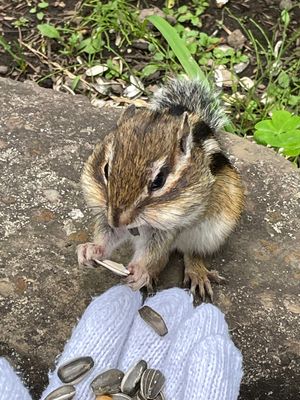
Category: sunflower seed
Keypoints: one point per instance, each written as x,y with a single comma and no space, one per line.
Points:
152,383
132,377
117,268
152,318
66,392
160,396
120,396
139,396
96,70
75,369
107,382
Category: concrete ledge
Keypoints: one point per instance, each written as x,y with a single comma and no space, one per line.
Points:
44,138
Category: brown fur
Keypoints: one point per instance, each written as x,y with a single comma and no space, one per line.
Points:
201,186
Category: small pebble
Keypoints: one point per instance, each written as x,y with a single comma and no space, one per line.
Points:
52,195
236,39
3,69
285,5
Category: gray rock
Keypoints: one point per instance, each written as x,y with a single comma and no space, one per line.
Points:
236,39
45,137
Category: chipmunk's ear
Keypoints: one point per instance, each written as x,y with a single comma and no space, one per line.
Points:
185,134
126,114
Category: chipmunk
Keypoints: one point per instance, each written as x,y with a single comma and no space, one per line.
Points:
161,173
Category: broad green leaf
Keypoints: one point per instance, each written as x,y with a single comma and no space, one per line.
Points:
182,10
49,31
283,120
293,152
185,58
265,125
275,138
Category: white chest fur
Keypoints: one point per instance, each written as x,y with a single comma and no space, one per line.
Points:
205,237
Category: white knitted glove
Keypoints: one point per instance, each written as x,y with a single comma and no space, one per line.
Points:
197,355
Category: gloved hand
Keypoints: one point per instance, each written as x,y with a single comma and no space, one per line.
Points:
197,356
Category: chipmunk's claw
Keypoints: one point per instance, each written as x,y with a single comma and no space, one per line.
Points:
138,278
202,282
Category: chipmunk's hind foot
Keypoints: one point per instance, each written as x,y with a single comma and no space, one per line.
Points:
199,277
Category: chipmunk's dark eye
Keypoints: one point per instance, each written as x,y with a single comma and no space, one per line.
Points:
106,171
159,180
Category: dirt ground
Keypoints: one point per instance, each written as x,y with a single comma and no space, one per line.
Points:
264,12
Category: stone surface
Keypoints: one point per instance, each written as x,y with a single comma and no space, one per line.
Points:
44,138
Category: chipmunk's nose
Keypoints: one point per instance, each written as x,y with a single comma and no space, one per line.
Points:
118,217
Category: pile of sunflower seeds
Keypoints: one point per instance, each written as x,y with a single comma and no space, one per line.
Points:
138,383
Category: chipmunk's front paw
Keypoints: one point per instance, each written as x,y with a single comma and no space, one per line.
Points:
88,252
138,277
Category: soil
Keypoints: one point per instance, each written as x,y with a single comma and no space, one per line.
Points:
265,13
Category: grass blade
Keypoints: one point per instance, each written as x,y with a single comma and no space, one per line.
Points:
179,48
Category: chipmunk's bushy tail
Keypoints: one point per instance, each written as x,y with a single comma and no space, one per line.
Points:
195,96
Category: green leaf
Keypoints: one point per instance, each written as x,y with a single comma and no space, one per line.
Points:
283,120
40,15
282,131
32,10
158,56
90,46
75,82
49,31
285,17
185,58
294,152
150,69
284,80
43,4
182,10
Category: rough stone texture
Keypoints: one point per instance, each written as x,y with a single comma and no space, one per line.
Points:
44,139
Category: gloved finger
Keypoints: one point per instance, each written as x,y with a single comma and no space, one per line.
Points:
11,386
100,333
174,306
206,320
214,370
